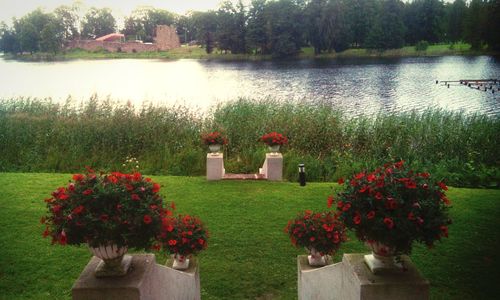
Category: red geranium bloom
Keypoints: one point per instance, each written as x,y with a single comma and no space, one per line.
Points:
104,218
172,242
442,185
340,181
330,201
357,219
78,209
389,223
78,177
156,188
147,219
87,192
135,197
370,215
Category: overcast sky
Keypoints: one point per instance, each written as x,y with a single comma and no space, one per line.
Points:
120,8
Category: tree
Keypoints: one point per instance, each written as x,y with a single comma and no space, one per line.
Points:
8,39
475,24
284,27
316,23
68,19
338,27
206,24
52,37
143,21
456,14
98,22
424,21
256,34
388,30
492,24
361,17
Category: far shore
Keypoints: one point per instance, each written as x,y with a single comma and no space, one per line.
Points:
198,52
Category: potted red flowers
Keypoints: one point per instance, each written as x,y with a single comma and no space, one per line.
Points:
183,236
110,213
214,140
274,140
392,207
320,233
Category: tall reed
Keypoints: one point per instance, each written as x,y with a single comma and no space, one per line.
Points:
39,135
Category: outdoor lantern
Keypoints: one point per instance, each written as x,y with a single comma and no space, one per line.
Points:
302,175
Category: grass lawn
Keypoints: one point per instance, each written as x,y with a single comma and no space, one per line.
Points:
249,256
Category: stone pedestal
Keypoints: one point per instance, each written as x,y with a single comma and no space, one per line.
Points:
317,282
179,285
139,283
215,166
273,167
352,280
397,284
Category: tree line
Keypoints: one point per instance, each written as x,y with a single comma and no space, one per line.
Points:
279,28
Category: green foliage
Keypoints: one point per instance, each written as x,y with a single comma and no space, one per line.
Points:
38,135
142,22
98,22
261,263
422,46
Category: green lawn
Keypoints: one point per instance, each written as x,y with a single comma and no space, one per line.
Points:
248,256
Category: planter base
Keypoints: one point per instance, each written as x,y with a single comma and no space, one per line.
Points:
386,264
115,268
180,265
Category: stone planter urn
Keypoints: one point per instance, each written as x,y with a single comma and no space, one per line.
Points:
381,259
274,148
215,148
114,262
181,262
315,259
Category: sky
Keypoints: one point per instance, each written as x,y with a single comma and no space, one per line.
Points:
120,8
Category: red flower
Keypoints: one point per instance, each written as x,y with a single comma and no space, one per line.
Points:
340,181
346,207
399,164
87,192
63,239
444,230
63,196
104,218
389,223
411,184
370,215
147,219
330,201
46,232
172,242
379,196
135,197
371,177
340,204
113,179
359,176
442,185
411,216
78,177
156,187
201,241
357,219
78,210
312,239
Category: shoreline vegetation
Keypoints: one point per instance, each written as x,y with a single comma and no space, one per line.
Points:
42,136
197,52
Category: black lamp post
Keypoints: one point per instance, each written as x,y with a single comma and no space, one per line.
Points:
302,175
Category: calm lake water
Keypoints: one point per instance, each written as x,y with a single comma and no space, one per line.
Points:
356,86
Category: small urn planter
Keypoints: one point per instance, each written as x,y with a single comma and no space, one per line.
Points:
274,148
215,148
181,262
316,259
382,258
320,233
113,263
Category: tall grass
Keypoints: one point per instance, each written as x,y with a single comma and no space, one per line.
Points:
38,135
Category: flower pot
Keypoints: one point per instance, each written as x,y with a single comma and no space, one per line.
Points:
382,258
214,148
113,262
315,258
181,262
274,148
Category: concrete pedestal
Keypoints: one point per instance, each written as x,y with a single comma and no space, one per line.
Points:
352,280
138,284
215,166
317,282
179,285
273,167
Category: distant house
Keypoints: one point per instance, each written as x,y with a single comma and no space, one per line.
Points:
112,37
166,38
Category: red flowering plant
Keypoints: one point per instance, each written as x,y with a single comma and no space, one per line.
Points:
274,138
321,231
102,209
183,234
214,138
394,206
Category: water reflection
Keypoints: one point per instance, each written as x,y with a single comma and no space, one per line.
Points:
357,86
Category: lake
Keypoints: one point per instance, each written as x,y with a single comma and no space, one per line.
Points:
356,86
